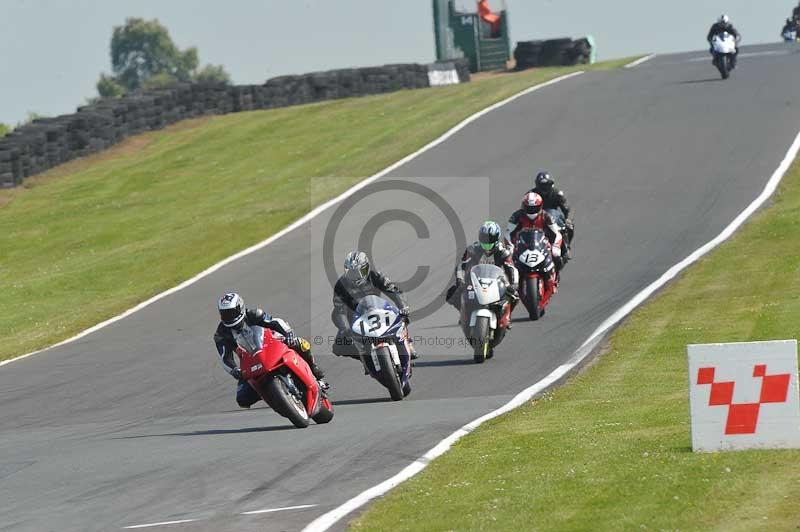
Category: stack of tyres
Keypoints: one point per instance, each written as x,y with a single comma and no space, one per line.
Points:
552,52
44,143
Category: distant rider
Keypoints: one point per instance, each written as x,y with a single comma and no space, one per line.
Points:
532,215
489,249
723,25
554,198
789,27
359,281
233,314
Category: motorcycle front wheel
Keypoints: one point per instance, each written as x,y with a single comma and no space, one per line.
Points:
723,65
481,344
532,298
389,375
285,403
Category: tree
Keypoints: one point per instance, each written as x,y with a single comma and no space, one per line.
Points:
30,118
213,74
4,129
108,87
143,55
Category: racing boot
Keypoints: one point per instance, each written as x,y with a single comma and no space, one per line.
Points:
412,350
304,350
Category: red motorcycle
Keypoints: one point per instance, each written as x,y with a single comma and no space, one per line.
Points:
537,273
281,377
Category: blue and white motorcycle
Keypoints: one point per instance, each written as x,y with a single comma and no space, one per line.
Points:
381,337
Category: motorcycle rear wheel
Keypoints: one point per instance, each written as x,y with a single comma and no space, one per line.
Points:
481,342
286,404
325,414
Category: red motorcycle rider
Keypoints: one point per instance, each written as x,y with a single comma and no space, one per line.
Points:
233,314
532,216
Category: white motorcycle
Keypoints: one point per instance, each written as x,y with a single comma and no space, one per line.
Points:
724,49
485,312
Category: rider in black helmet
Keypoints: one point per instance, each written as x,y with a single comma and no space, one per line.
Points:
555,199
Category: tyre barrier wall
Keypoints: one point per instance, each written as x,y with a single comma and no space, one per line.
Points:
48,142
553,52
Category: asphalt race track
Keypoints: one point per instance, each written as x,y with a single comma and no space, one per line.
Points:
137,424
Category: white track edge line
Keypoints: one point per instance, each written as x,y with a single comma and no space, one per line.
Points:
639,61
325,521
162,523
303,220
272,510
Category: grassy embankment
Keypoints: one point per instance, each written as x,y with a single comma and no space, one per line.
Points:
91,238
612,449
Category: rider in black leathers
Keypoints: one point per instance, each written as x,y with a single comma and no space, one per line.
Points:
359,281
723,25
552,196
555,198
790,26
232,314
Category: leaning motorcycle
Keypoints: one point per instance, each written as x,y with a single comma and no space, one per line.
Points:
485,312
724,50
381,337
280,376
537,273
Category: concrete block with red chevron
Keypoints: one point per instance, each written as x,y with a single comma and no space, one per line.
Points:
744,395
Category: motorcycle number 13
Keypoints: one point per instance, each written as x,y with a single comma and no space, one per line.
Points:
375,323
531,258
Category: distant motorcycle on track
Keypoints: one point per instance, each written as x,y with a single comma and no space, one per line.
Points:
567,228
724,50
381,337
537,272
485,311
281,377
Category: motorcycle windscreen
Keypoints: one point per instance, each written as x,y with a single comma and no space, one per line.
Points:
489,283
724,44
375,317
249,338
531,251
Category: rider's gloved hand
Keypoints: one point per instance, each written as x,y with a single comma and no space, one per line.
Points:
511,292
292,340
452,290
236,373
556,250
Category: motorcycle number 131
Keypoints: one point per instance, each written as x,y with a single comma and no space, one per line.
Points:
376,321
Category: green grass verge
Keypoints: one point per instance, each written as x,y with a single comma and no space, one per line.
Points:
612,449
92,238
